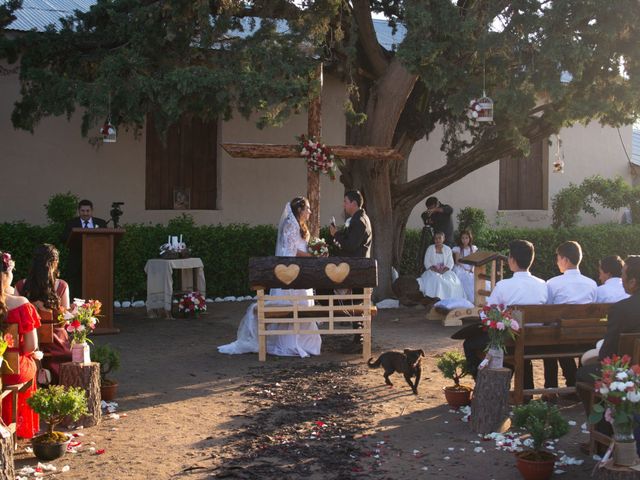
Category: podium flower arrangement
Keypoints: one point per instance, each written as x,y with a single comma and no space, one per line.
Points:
192,303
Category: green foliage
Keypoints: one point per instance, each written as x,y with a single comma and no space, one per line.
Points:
108,358
61,207
541,420
608,193
474,219
56,402
453,366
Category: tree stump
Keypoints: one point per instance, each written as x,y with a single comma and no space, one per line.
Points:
7,469
613,472
489,408
86,376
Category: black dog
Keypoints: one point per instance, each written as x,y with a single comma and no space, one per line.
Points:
407,363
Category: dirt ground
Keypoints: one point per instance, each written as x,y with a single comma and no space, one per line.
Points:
188,412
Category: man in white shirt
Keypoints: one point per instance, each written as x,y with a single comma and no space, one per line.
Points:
521,289
569,288
610,273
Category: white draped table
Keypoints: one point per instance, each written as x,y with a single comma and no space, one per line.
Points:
160,282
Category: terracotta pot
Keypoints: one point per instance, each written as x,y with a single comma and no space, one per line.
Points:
108,391
457,396
535,469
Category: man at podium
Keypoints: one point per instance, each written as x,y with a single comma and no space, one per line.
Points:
85,219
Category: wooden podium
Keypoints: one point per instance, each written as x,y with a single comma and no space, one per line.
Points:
98,250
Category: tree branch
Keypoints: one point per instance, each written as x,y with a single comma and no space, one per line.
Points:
368,37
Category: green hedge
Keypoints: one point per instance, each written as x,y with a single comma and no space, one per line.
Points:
597,241
225,250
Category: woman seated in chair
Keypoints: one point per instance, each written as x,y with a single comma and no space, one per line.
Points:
438,280
49,294
17,310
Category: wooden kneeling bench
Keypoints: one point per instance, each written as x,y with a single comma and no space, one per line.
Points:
322,273
558,331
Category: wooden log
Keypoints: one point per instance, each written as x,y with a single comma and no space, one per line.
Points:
309,272
347,152
489,408
613,472
7,468
86,376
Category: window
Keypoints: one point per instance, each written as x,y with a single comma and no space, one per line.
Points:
524,181
181,173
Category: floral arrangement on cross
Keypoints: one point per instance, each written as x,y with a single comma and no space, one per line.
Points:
318,156
192,302
81,319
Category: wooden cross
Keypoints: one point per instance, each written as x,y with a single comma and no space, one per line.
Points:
314,126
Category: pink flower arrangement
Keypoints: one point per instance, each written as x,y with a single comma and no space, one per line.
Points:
319,157
192,302
498,323
80,319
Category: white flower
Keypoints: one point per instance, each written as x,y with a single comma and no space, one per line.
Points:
603,390
622,375
78,301
633,397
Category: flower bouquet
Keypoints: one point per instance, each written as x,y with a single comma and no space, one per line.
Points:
6,341
79,321
318,156
498,323
440,268
619,387
192,302
318,247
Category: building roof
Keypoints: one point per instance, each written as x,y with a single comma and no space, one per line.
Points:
38,14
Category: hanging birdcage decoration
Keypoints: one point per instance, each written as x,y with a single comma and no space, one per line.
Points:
108,132
481,109
558,163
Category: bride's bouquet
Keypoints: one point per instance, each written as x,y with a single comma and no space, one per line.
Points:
318,247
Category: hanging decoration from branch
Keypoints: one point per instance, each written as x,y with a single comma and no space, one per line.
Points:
108,131
318,156
558,163
481,109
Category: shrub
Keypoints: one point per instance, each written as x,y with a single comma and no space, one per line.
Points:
61,207
109,360
453,366
56,402
540,420
473,219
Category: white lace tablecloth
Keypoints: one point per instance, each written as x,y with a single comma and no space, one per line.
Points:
160,281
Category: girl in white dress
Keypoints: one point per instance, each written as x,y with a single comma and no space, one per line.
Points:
438,280
293,237
464,248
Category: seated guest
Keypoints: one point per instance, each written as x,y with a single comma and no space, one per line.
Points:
18,310
46,291
569,288
521,289
438,280
624,317
464,248
610,271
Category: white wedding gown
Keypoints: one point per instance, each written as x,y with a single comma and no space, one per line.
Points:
289,242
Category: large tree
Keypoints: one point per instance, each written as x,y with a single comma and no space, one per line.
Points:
168,57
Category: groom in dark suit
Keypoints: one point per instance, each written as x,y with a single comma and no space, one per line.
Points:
355,239
85,219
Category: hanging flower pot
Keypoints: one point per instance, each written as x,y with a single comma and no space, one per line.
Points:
108,132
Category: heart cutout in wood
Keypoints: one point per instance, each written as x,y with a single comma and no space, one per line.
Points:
286,274
337,273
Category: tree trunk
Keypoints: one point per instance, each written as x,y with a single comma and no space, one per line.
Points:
88,377
7,469
612,472
490,410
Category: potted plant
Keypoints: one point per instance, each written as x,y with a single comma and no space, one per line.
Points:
542,421
109,360
498,323
53,404
619,389
80,320
453,366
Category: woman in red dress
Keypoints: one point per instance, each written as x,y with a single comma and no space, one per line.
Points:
15,309
47,292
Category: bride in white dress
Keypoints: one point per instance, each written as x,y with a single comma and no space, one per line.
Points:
293,236
438,280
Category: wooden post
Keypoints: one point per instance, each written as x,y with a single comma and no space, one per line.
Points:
613,472
489,409
88,377
7,468
366,338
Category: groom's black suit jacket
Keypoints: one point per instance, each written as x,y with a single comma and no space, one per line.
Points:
355,240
